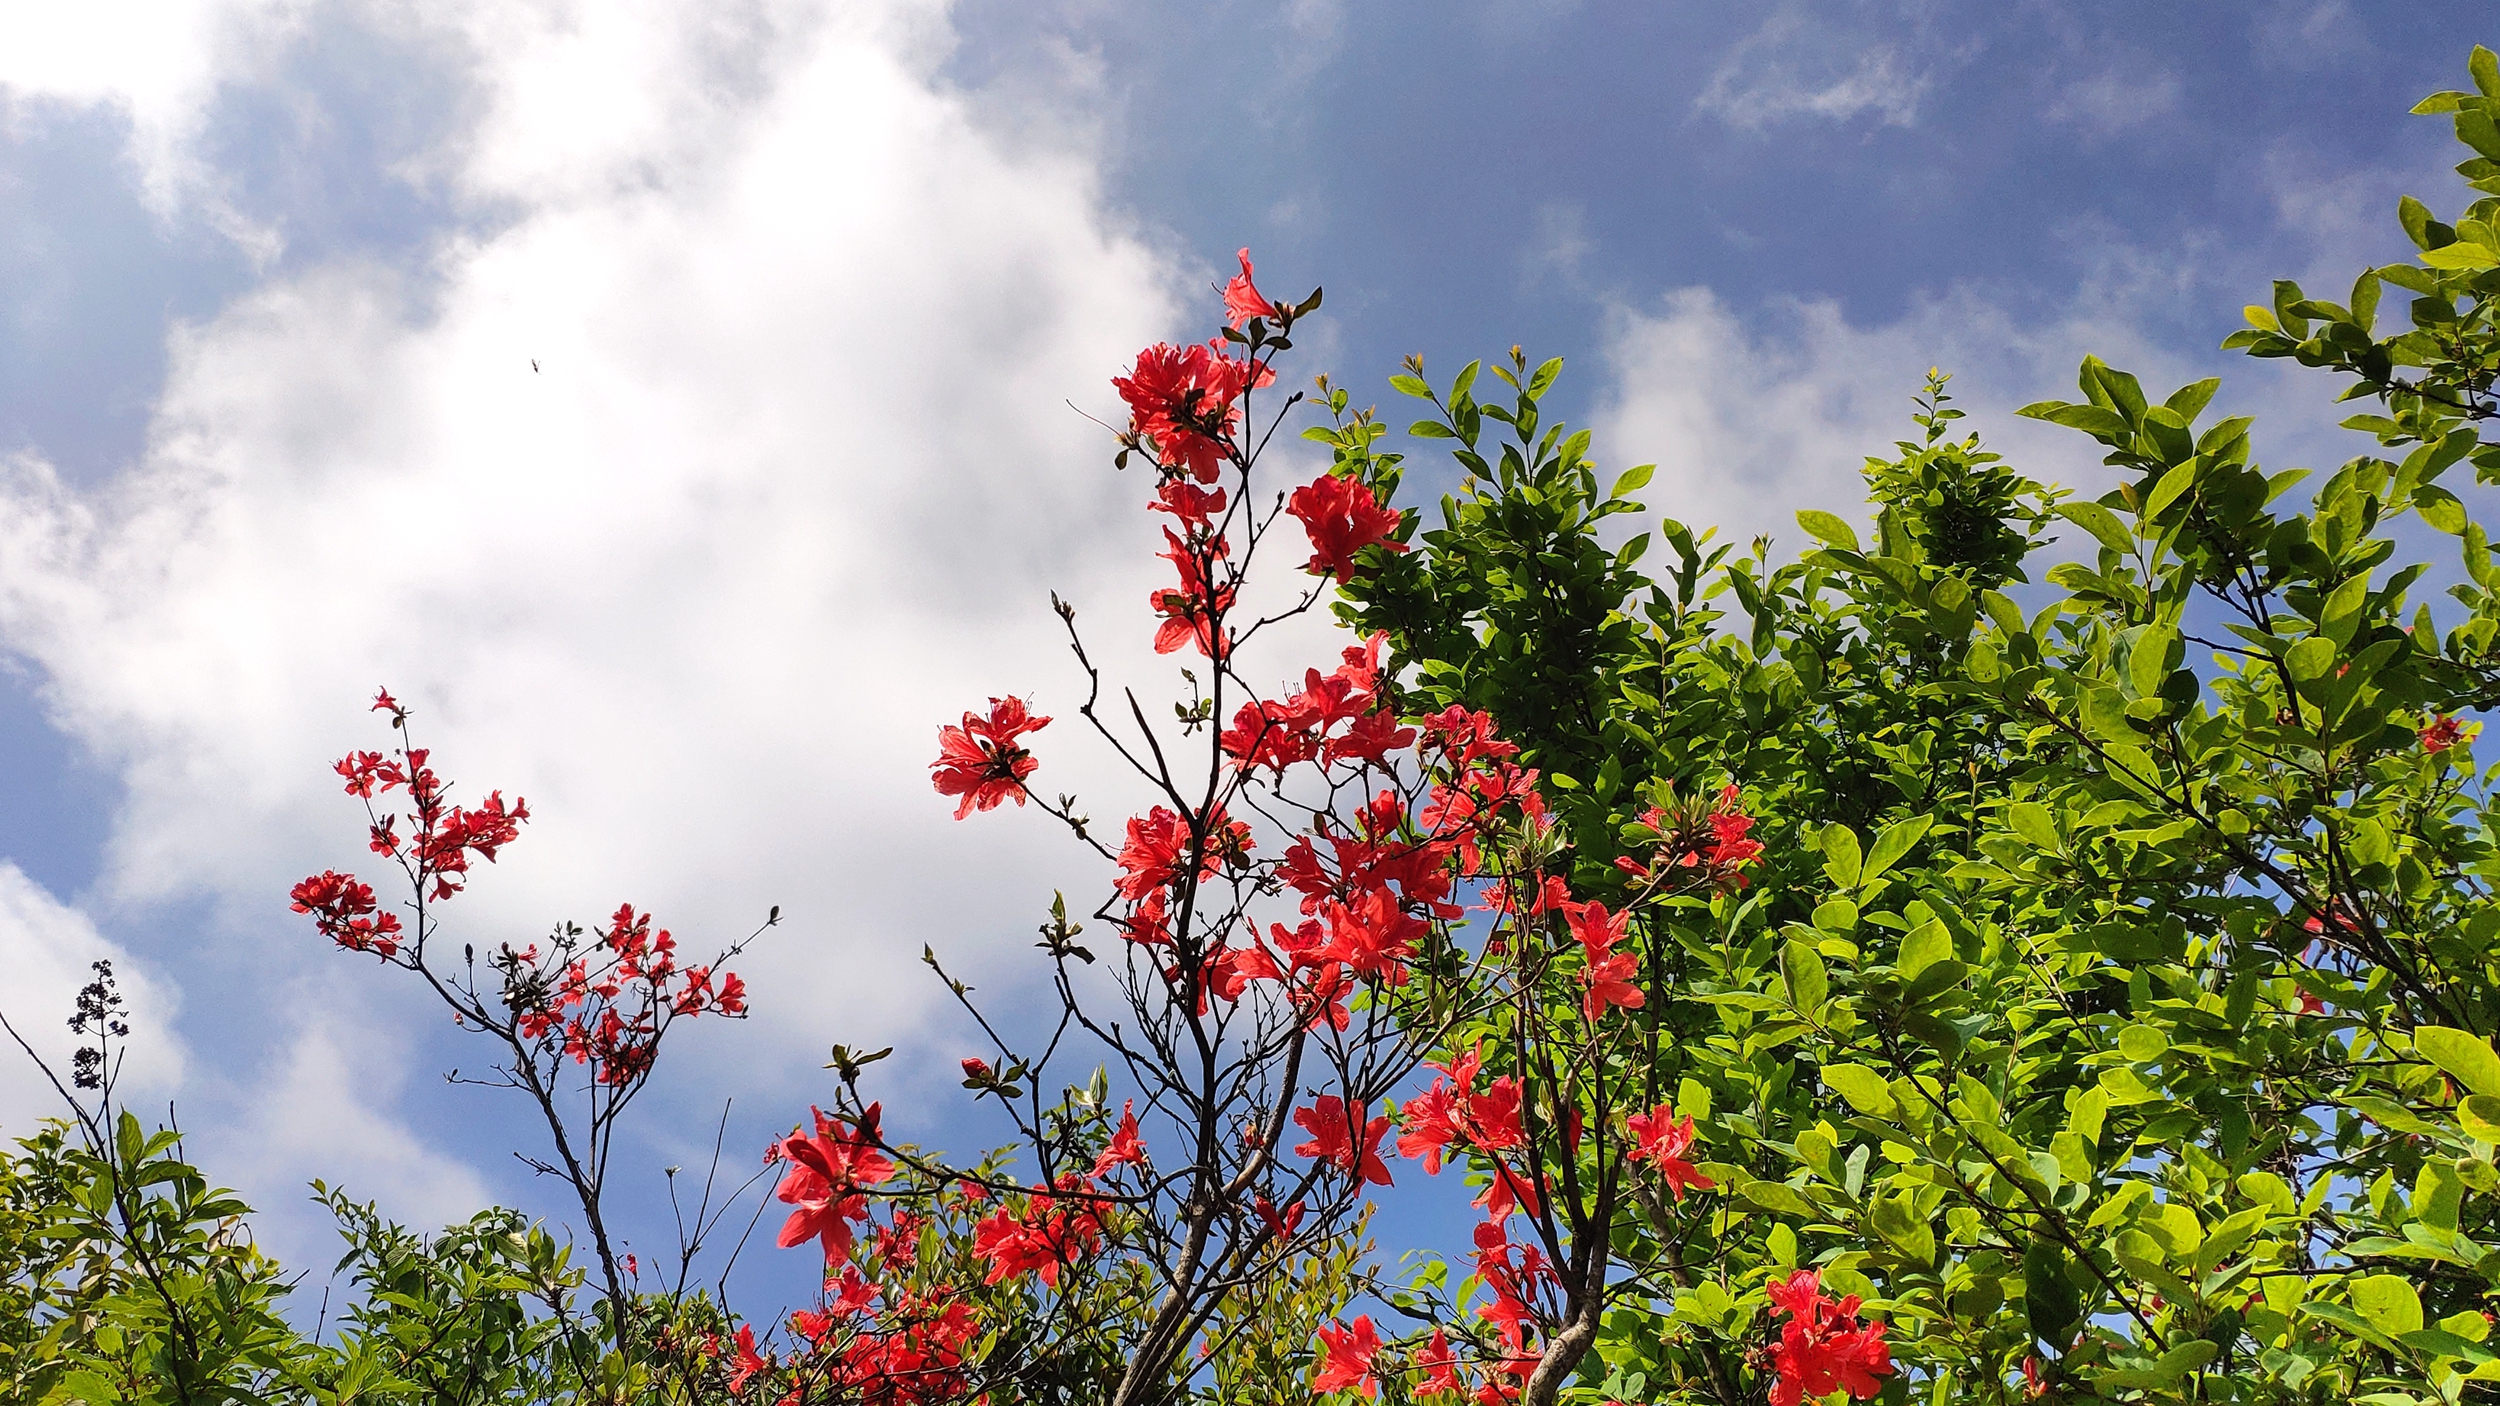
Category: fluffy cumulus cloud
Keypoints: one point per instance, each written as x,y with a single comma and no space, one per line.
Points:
161,70
1752,413
684,488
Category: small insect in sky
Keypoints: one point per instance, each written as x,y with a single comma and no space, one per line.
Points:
533,363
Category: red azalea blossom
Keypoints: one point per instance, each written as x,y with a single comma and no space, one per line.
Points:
1182,399
1346,1352
1661,1141
748,1363
1126,1148
1242,301
1341,517
827,1173
1333,1139
1824,1347
2442,733
1439,1364
1608,974
1430,1121
981,760
1190,613
345,911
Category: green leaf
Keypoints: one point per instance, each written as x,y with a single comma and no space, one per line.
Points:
2168,1368
1840,855
2486,70
2032,821
2439,508
1866,1090
2050,1298
2465,1055
1900,1224
1893,843
2101,523
1828,528
2479,1115
2388,1302
2148,659
1924,946
2462,256
1777,1196
1411,385
1632,480
1808,983
2310,659
2142,1044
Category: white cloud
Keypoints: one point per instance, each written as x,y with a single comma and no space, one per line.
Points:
315,1114
1560,246
788,489
48,947
1752,414
2111,101
160,64
1792,68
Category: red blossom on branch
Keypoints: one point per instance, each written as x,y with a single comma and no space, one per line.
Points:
1341,517
981,759
1333,1139
1242,300
1824,1347
1660,1140
1346,1353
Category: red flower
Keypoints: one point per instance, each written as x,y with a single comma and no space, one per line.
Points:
1241,297
1346,1352
1824,1347
1126,1148
1182,399
1332,1139
824,1180
1661,1141
1440,1366
344,910
1342,517
982,761
2443,733
1230,970
1431,1120
1608,974
1372,934
1280,1224
748,1363
1190,613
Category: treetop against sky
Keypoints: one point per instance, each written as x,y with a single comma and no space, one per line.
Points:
671,403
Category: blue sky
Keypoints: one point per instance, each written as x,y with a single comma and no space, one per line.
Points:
809,290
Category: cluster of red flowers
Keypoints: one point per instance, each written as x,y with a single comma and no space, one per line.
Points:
607,1009
1342,517
2444,732
1824,1347
616,1038
1717,841
879,1343
1301,726
830,1174
982,761
1184,402
436,852
1046,1235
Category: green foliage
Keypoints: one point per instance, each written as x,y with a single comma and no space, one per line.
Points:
2117,992
124,1277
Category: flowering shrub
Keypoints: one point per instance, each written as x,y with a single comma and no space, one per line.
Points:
600,1000
1873,976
